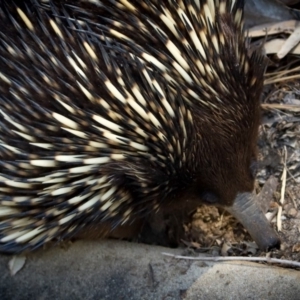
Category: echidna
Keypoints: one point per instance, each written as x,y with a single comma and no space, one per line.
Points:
111,110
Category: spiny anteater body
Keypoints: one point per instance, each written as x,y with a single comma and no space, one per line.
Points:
111,110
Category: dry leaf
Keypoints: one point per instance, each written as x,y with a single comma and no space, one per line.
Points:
267,11
290,43
16,264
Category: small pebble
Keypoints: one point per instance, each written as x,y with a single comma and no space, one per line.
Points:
282,246
292,212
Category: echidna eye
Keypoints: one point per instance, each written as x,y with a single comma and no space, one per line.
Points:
209,197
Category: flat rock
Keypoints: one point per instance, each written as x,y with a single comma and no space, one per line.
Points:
122,270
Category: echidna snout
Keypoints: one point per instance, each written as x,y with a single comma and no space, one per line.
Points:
111,110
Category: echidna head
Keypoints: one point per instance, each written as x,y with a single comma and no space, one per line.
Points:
227,152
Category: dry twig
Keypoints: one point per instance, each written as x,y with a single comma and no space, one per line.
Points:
238,258
289,107
283,179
